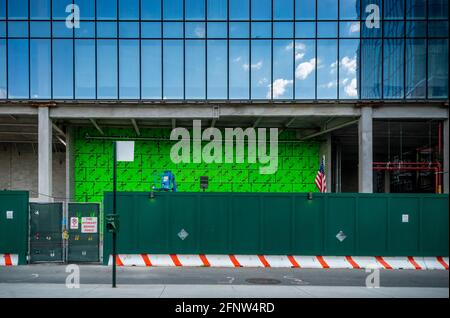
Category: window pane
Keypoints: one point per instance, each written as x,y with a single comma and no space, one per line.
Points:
349,29
86,30
371,68
18,68
85,69
217,9
260,67
150,29
416,29
195,30
40,29
151,9
195,9
40,69
437,68
327,30
438,29
416,9
305,9
438,9
107,9
283,9
217,69
129,69
3,92
283,66
348,60
327,56
40,9
416,68
393,63
62,69
371,24
151,69
128,9
195,70
60,30
239,29
239,9
327,10
59,9
173,9
107,69
173,69
394,9
3,9
283,30
87,9
239,69
261,30
305,29
17,29
129,29
217,29
261,9
349,9
392,29
106,29
173,29
305,67
18,9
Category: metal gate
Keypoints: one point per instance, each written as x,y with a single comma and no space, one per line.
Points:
84,239
46,243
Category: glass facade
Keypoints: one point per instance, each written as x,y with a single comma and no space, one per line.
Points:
289,50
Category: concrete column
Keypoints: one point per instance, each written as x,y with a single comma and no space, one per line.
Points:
446,156
44,155
365,151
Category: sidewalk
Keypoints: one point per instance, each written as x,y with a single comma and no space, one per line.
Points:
28,290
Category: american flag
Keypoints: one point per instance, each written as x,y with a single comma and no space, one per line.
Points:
321,181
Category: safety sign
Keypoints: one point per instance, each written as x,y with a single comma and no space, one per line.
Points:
74,223
89,225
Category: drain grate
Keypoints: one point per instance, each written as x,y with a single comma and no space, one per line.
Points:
263,281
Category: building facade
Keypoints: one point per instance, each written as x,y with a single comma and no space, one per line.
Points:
362,82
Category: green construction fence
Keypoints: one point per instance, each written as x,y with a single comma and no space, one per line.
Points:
280,223
14,224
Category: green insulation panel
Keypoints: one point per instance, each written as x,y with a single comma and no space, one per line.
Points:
297,166
281,224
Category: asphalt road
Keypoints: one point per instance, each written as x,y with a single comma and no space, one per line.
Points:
98,274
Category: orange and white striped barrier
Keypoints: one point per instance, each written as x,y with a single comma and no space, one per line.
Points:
9,259
281,261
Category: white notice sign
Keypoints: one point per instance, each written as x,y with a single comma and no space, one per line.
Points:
89,225
9,215
74,223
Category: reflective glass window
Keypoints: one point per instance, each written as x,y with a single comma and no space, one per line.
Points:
393,64
195,9
150,29
239,9
217,61
195,30
59,9
172,9
416,9
40,69
106,29
173,69
128,9
239,69
327,56
86,30
129,69
85,69
39,29
348,69
129,29
195,70
18,9
62,69
151,9
18,69
261,30
438,68
173,29
416,68
217,9
107,69
283,64
327,10
283,30
18,29
261,10
305,69
60,30
415,29
3,9
327,29
283,9
217,30
393,29
438,29
3,75
239,29
371,63
305,29
349,29
107,9
438,9
151,68
394,9
87,9
305,9
260,67
349,9
40,9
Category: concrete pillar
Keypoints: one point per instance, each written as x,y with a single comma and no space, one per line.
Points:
44,155
365,151
446,156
